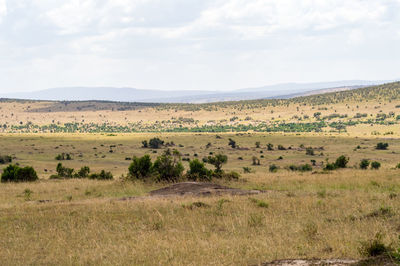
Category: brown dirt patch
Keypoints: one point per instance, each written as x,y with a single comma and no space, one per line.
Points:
200,189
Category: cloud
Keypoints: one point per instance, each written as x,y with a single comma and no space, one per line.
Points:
3,9
192,44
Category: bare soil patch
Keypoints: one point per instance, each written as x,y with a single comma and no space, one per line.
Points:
200,189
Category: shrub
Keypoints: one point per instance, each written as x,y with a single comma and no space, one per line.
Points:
398,166
217,160
281,148
374,247
198,171
310,151
232,143
64,171
258,144
375,165
140,167
270,147
232,175
382,146
156,143
256,161
168,166
273,168
364,163
301,168
246,170
103,175
63,156
5,159
341,161
145,144
83,172
330,166
14,173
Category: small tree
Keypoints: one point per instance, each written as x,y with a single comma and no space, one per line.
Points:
375,165
270,147
364,163
145,144
156,143
169,166
218,160
14,173
382,146
341,161
310,151
258,144
256,161
198,171
64,171
232,143
273,168
140,168
83,172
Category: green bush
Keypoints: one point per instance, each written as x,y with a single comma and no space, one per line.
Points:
398,166
198,172
374,247
140,167
63,156
155,143
273,168
5,159
217,160
83,172
330,166
168,166
14,173
310,151
382,146
301,167
64,172
341,161
375,165
364,163
103,175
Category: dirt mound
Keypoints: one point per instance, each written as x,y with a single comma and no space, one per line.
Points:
200,189
381,261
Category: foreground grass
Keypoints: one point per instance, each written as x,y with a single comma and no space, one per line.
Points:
302,215
91,229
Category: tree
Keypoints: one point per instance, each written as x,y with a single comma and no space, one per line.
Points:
198,171
64,171
310,151
140,168
156,143
83,172
232,143
258,144
270,147
341,161
375,165
382,146
364,163
14,173
103,175
145,144
169,166
217,161
256,161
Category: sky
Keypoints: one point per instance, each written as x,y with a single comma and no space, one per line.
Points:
195,44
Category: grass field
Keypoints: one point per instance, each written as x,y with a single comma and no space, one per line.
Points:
316,214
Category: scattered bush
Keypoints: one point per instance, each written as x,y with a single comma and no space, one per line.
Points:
382,146
232,143
341,161
103,175
4,159
375,165
364,163
140,167
14,173
63,156
301,168
168,166
155,143
273,168
310,151
218,160
198,172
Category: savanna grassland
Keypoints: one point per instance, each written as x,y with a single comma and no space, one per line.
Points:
305,212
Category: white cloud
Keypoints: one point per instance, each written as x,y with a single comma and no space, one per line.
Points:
196,43
3,9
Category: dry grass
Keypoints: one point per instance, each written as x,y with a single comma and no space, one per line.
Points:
306,215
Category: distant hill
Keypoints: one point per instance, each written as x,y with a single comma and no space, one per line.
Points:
186,96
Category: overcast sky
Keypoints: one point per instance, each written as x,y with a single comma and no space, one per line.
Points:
195,44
